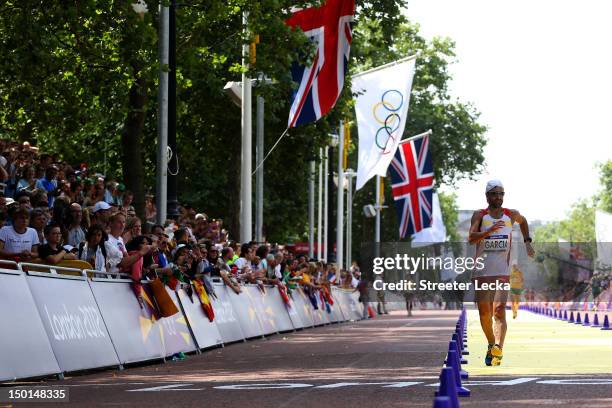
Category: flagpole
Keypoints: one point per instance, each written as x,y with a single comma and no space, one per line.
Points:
340,206
377,207
399,61
428,133
325,203
320,205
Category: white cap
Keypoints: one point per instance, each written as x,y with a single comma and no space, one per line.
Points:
68,248
101,205
492,184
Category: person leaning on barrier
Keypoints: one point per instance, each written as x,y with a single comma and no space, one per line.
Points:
224,270
52,252
96,248
18,241
134,247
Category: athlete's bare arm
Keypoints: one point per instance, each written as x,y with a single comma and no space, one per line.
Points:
524,225
475,234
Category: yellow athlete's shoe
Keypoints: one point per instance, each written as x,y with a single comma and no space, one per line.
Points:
497,354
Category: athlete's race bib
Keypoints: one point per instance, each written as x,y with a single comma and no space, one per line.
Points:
496,243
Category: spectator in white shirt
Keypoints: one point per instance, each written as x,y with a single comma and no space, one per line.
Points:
17,240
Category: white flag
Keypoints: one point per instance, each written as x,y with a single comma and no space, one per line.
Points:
434,234
382,110
603,236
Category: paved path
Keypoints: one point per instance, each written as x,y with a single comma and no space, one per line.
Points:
393,361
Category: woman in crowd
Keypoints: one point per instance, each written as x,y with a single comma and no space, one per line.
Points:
27,181
95,248
133,228
126,206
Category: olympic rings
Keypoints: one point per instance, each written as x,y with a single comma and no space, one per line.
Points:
391,122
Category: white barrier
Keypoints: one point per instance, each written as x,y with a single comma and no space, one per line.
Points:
58,323
72,320
26,351
205,332
136,335
246,314
225,317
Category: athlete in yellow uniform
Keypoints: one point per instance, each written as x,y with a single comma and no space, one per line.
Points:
516,288
491,231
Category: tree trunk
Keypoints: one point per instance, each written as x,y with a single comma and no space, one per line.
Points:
131,137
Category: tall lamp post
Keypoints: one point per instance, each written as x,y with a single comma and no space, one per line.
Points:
329,197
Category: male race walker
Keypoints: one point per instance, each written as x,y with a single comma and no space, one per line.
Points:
491,231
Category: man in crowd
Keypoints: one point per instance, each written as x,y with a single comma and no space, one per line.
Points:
49,184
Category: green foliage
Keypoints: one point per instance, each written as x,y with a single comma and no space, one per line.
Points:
450,213
68,69
579,226
605,179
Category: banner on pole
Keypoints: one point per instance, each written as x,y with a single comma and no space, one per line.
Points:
381,109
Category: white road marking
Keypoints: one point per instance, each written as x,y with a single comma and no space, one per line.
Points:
171,387
384,384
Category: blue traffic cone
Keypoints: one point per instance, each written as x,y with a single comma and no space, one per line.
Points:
459,374
586,320
565,315
448,386
458,349
578,321
452,346
442,402
606,324
595,321
463,351
571,319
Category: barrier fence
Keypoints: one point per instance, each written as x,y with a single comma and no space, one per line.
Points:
57,320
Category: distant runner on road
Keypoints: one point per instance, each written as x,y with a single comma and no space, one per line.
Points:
491,231
516,288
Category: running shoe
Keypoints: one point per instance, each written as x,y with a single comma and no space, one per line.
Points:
496,352
489,356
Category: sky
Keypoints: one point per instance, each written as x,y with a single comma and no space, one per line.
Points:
540,73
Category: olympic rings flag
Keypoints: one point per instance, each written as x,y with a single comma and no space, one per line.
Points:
383,95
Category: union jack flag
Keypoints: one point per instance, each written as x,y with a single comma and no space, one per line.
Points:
412,184
320,84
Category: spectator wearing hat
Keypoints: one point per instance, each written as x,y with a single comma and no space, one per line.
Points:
101,214
18,241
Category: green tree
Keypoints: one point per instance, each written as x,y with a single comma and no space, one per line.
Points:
80,79
605,179
579,226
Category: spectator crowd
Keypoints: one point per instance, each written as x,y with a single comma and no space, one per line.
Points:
58,214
